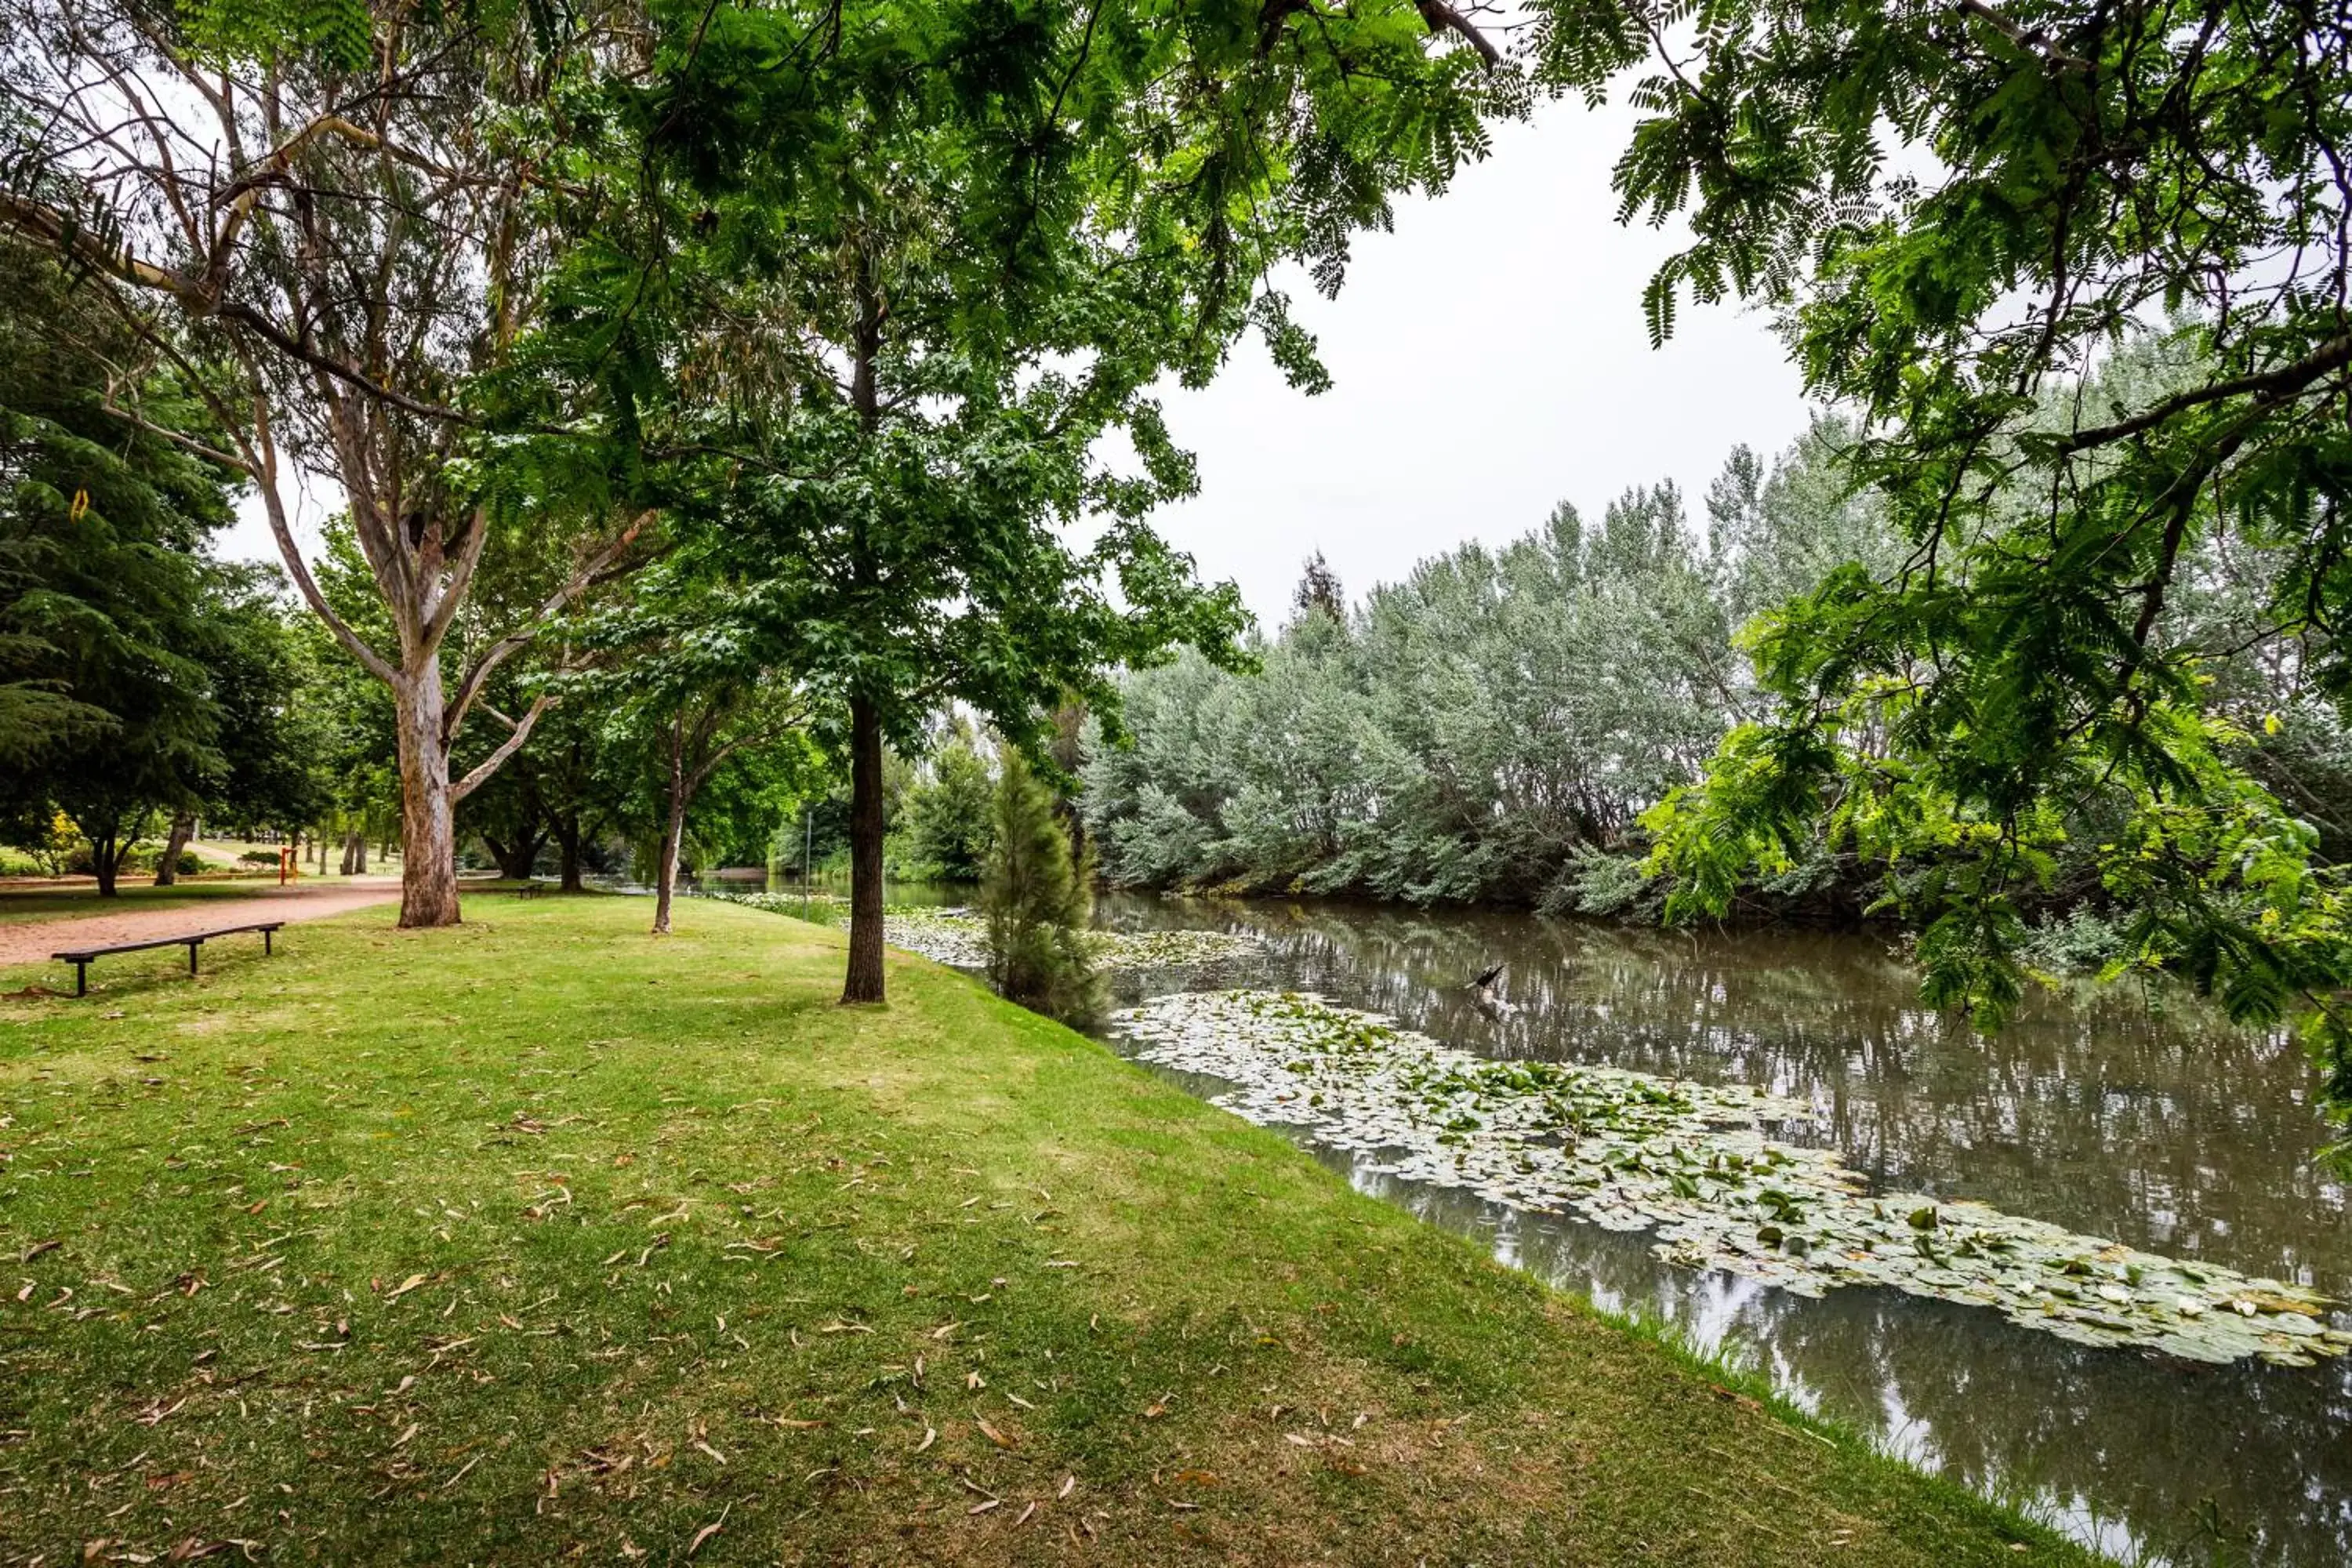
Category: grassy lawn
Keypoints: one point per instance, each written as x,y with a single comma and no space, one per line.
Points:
62,900
543,1240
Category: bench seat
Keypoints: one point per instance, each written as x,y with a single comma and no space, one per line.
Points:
82,957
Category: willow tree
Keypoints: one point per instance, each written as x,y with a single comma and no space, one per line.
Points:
2081,270
987,230
330,222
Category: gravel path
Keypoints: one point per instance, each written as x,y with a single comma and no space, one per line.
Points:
32,941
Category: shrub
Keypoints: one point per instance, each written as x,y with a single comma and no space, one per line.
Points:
1036,902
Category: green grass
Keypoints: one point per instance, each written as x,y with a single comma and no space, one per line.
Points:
543,1240
63,900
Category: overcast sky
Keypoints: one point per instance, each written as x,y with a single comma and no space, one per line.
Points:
1489,361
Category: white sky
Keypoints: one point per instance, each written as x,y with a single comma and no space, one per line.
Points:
1489,359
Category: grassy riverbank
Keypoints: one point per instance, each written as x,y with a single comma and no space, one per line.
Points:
542,1238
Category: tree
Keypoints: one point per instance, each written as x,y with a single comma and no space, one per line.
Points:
948,816
330,223
272,752
115,631
991,230
1318,590
2104,330
1035,902
695,673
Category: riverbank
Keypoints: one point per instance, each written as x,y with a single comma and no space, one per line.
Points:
543,1235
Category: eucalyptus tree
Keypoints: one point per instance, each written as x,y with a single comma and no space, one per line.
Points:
330,224
989,230
1964,212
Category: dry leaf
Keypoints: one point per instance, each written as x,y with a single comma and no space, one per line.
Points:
708,1530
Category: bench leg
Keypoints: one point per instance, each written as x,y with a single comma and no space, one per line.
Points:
81,979
264,945
192,959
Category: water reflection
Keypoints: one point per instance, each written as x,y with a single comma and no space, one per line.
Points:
2108,1112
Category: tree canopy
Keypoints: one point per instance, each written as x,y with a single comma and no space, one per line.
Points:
2079,271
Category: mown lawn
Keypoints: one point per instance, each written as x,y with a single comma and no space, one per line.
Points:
543,1240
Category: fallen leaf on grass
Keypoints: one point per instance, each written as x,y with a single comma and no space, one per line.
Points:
1069,1484
992,1434
985,1507
403,1288
37,1248
708,1530
930,1436
1024,1516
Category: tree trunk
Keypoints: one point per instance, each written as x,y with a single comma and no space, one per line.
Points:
567,847
428,871
103,860
167,869
516,856
673,830
865,828
354,849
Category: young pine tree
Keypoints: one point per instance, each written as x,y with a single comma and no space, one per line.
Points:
1036,902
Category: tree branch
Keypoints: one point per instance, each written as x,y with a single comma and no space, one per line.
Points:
506,748
506,646
1441,18
2267,387
197,298
2032,40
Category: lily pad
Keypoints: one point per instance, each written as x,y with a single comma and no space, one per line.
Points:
1691,1162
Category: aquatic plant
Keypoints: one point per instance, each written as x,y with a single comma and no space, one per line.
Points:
1630,1152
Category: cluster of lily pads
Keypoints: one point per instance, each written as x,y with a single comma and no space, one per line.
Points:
1633,1152
785,903
960,938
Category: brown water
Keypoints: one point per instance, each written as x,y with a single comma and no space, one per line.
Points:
2146,1119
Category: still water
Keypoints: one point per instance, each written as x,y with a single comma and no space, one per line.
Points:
2147,1120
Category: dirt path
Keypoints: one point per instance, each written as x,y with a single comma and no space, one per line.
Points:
31,941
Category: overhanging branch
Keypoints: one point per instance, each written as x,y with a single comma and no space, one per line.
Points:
506,748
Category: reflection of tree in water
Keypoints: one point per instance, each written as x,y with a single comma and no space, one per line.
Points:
2104,1435
2159,1126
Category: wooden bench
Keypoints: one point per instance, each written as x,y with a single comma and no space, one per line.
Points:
82,957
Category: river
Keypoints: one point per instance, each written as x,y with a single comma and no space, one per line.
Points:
2146,1118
